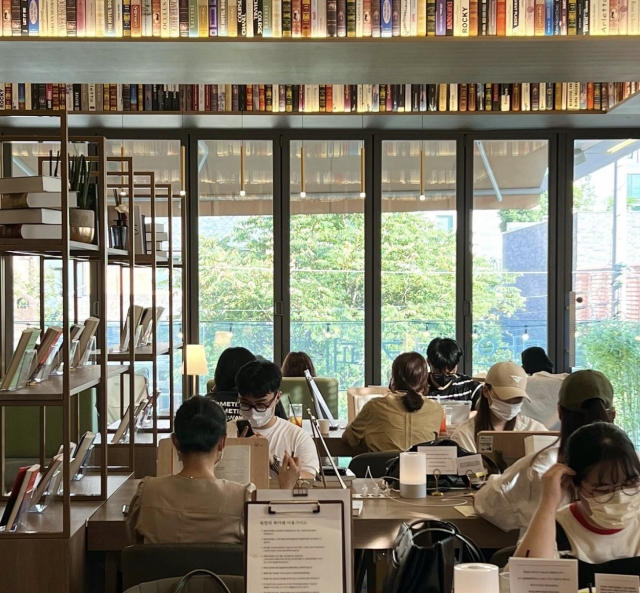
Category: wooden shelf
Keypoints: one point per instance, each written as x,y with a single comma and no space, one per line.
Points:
330,61
54,248
49,392
143,354
142,259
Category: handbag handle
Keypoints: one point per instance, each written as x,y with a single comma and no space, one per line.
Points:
200,571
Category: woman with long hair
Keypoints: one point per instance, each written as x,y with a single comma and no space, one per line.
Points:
296,363
401,418
510,500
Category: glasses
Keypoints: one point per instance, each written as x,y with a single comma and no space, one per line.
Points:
629,489
259,407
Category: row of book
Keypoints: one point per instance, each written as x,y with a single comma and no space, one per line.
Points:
138,326
294,98
318,18
34,351
31,485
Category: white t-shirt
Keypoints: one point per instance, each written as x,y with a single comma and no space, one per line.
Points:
510,500
543,389
594,545
464,435
286,436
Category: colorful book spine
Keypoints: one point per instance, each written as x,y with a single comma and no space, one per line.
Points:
386,26
332,18
441,17
213,18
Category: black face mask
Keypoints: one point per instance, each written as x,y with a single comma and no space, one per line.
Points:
440,379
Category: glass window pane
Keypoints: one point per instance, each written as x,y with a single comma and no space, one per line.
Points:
606,268
327,258
510,245
418,245
236,246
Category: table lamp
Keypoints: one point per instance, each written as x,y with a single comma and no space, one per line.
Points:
413,475
194,363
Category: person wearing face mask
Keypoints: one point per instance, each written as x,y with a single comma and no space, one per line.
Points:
499,406
510,500
194,505
258,384
601,472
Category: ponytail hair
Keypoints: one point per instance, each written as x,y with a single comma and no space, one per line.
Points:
409,373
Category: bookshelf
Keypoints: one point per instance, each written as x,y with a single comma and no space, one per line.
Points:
308,61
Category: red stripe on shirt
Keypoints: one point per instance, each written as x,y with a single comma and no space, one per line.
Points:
577,515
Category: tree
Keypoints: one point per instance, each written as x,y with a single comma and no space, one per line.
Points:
327,287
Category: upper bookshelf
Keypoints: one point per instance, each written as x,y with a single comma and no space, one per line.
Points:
403,60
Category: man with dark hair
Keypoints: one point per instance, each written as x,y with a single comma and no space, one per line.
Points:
443,357
258,385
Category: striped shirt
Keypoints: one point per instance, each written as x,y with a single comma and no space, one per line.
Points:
454,388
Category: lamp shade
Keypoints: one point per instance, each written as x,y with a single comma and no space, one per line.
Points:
195,362
413,475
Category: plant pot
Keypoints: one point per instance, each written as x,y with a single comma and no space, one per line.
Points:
119,236
82,225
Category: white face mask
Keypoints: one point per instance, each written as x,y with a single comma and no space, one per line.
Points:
614,514
258,419
503,410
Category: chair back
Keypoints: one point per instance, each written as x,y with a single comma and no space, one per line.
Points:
191,583
376,462
296,391
151,562
211,383
357,397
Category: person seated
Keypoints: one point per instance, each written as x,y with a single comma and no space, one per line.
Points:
510,500
259,393
499,406
543,387
403,417
194,505
296,363
443,357
224,390
601,474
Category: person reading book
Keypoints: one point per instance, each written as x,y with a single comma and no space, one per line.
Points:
601,475
194,505
259,393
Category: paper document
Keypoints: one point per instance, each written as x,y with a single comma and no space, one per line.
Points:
529,575
617,583
296,548
443,459
235,465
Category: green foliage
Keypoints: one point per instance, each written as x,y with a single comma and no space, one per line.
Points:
327,288
613,348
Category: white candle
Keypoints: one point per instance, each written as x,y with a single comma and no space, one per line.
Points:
413,475
476,578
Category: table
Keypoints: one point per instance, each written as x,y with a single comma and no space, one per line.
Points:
337,447
374,529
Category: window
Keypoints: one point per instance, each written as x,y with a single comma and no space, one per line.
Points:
510,246
418,246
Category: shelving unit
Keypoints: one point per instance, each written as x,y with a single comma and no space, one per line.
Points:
333,61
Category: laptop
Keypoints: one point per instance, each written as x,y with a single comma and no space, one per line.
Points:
457,412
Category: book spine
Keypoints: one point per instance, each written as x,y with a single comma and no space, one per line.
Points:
634,15
203,18
351,18
164,19
614,7
33,18
296,18
174,18
110,15
332,18
548,17
441,17
431,17
573,18
539,17
305,26
396,8
287,28
126,18
183,18
193,18
386,26
623,17
16,18
501,18
81,18
422,18
367,24
267,27
118,17
449,18
405,29
7,30
213,21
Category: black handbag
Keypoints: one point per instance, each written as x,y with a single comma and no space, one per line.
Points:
423,556
445,482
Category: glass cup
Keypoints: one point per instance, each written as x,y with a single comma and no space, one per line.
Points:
295,414
505,583
448,412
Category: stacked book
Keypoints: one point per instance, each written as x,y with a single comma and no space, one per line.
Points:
316,98
30,207
317,18
162,239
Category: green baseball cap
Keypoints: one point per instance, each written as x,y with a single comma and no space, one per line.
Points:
582,386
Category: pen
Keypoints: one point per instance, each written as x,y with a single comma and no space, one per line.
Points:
590,588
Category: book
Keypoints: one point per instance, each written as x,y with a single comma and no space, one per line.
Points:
90,328
20,496
27,341
44,349
23,185
82,453
30,216
131,325
36,200
43,486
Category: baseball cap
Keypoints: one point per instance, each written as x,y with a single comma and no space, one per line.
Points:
508,380
581,386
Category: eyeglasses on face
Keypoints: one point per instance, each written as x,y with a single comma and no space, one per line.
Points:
605,495
245,406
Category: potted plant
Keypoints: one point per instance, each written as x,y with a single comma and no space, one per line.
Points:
82,220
